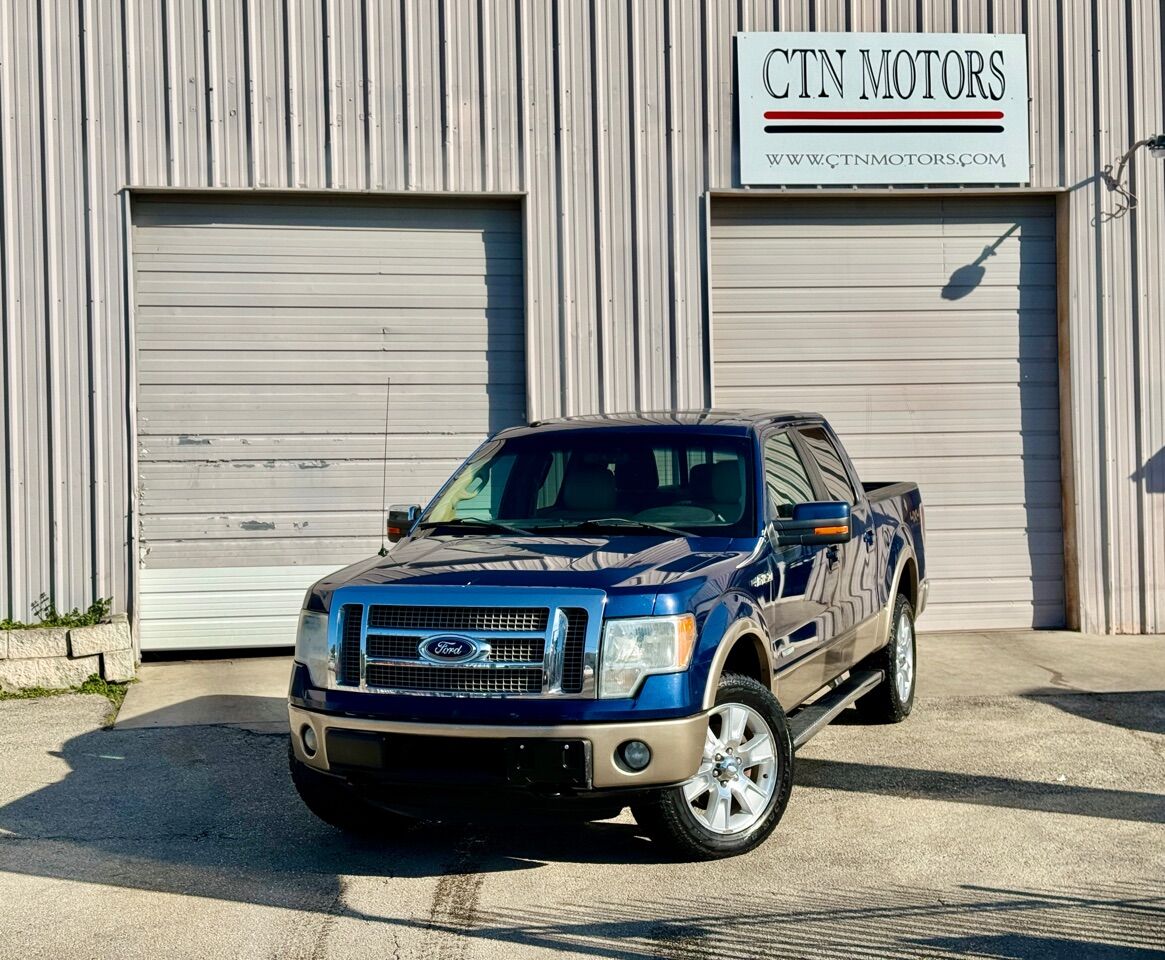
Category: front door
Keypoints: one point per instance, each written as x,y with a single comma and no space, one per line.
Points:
798,615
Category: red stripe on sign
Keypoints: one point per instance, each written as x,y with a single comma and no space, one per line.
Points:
883,115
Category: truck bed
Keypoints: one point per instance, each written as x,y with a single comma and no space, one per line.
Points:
885,489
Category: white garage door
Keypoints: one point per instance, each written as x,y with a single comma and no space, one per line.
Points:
265,332
925,330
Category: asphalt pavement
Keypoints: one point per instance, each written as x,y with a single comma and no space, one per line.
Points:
1020,812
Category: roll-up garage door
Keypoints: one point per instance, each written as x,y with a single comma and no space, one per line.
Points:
925,330
265,334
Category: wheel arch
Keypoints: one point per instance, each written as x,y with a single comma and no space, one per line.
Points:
743,649
907,582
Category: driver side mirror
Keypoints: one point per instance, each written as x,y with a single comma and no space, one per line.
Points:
401,518
814,523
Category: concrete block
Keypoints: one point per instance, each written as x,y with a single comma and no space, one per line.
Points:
42,642
52,672
118,666
100,638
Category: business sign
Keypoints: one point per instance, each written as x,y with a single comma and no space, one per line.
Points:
822,108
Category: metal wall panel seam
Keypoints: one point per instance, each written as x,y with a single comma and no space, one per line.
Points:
32,312
246,93
99,107
544,258
408,56
292,68
1137,451
76,483
132,536
563,274
11,536
1084,324
1112,139
615,211
375,174
688,166
487,91
211,162
674,204
642,402
213,55
1148,37
53,357
94,355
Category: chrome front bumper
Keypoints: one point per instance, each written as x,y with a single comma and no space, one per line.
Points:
676,745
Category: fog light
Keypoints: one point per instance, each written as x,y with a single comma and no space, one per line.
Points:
310,743
635,754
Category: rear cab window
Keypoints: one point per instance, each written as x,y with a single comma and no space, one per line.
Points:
830,464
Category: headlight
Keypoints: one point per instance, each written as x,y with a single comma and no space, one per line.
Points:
637,647
311,645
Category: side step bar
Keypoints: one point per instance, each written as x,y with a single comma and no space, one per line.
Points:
812,719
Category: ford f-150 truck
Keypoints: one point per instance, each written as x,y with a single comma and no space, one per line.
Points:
644,610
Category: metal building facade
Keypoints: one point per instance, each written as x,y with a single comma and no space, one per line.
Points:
615,121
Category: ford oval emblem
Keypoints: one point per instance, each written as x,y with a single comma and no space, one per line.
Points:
450,648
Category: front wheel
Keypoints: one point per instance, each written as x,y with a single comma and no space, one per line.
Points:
738,795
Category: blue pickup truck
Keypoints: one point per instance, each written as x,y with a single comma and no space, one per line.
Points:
643,610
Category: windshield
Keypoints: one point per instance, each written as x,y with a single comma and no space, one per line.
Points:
640,481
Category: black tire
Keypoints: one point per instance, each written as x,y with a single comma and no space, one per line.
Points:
667,817
885,703
339,805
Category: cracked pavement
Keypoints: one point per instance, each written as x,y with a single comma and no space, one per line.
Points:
1005,824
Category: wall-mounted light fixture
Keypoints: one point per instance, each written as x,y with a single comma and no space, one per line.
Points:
1115,181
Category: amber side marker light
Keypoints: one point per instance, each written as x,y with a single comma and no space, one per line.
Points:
829,531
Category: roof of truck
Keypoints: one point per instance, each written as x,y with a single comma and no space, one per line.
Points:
727,421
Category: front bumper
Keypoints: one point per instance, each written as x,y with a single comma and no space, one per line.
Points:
676,745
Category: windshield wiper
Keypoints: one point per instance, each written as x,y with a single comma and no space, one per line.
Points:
472,523
623,523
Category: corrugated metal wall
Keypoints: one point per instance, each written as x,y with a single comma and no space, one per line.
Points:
614,117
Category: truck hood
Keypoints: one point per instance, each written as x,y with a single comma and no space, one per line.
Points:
610,563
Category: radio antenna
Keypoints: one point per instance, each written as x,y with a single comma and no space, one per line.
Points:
384,474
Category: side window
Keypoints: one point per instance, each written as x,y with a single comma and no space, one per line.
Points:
837,483
786,480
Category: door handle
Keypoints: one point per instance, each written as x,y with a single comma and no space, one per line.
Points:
868,537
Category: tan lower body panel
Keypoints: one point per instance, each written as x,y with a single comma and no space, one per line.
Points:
676,745
807,676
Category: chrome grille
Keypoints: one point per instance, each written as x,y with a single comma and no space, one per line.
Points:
539,645
454,679
502,650
393,648
498,619
348,667
572,652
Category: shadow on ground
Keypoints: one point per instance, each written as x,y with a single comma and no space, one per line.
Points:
209,811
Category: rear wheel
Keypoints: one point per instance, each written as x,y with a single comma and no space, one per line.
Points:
339,805
739,793
893,699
